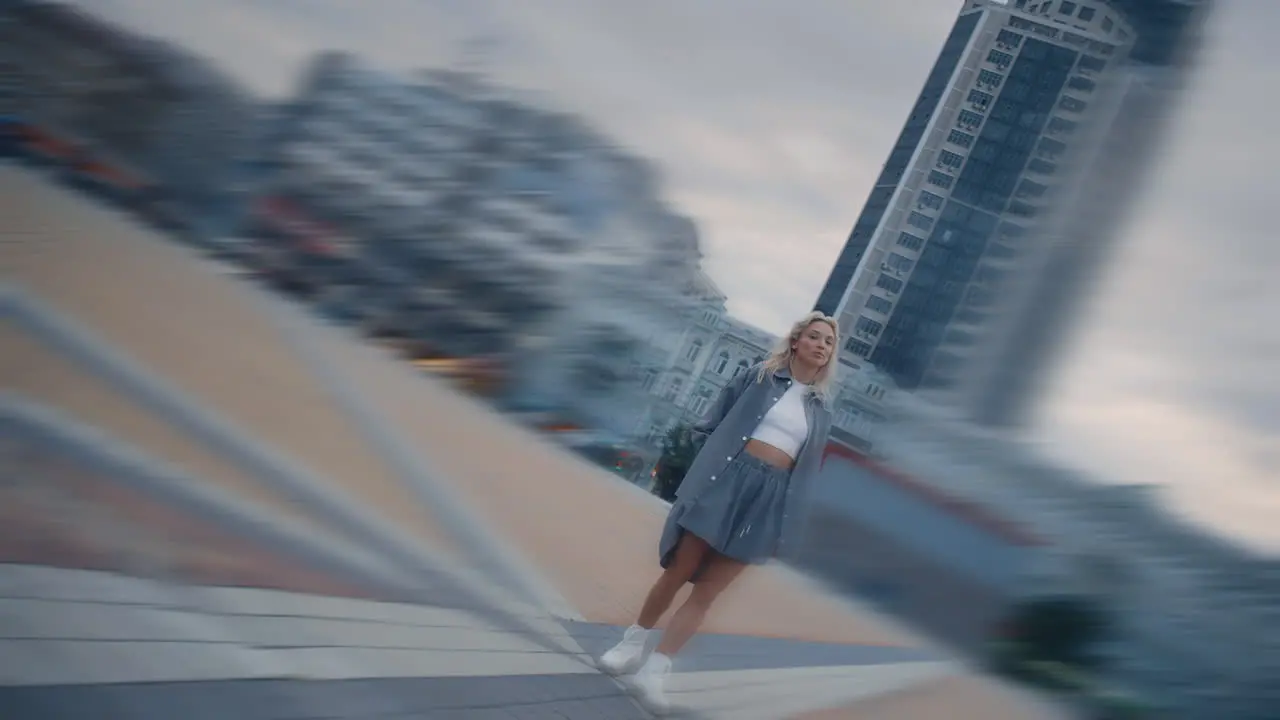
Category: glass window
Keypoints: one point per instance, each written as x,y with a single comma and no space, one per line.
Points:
889,282
946,158
1009,38
868,326
989,79
930,200
1087,13
909,241
1082,84
1090,62
1000,59
940,179
901,263
1062,126
919,220
1071,104
1107,24
1031,189
858,347
878,304
969,119
1043,167
961,138
980,99
1067,8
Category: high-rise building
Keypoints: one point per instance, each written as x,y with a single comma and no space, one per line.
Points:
1003,192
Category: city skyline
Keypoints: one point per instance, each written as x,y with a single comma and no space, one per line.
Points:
770,126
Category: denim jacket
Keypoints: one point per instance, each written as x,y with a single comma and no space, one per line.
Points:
728,426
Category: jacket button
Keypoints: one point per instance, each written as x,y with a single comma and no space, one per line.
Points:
729,458
713,477
744,437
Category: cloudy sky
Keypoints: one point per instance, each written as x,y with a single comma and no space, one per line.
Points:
770,120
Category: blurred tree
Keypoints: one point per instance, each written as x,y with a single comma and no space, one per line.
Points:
679,448
1060,629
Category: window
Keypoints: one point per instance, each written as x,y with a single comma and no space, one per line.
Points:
889,282
861,348
868,326
919,220
650,377
948,159
969,119
930,200
1043,167
1010,38
673,389
1092,63
698,404
1051,148
1082,84
1107,24
1031,189
722,362
961,138
875,303
1067,8
1001,60
742,365
901,263
1071,104
909,241
1061,126
1087,13
980,99
989,79
940,179
694,351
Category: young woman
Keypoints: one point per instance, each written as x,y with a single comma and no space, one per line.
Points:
742,497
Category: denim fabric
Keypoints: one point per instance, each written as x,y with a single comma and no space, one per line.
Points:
728,425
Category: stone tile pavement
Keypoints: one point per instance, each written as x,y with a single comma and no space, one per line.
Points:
351,539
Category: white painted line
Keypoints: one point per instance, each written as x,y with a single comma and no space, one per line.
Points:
31,619
58,662
358,663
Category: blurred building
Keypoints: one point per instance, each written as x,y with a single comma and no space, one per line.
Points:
129,114
712,349
1188,605
1004,192
442,210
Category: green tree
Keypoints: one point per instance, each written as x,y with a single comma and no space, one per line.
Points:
679,448
1058,629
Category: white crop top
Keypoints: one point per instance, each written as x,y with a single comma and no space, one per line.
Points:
785,426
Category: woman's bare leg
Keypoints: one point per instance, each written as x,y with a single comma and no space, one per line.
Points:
720,572
689,555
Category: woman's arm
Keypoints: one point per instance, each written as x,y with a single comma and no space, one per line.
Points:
724,403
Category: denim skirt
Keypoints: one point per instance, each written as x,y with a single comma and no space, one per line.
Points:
739,514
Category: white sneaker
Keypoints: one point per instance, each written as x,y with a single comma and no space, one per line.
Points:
649,685
626,656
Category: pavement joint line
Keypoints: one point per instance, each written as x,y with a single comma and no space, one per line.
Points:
296,482
496,557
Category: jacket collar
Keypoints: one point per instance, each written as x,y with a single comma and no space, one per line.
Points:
784,373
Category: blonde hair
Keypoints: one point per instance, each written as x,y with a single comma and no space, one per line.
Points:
782,352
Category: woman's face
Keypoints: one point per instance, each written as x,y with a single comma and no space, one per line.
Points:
816,344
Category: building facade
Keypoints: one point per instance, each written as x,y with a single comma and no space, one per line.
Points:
135,116
944,280
437,208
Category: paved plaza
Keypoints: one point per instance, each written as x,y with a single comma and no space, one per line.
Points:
215,505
